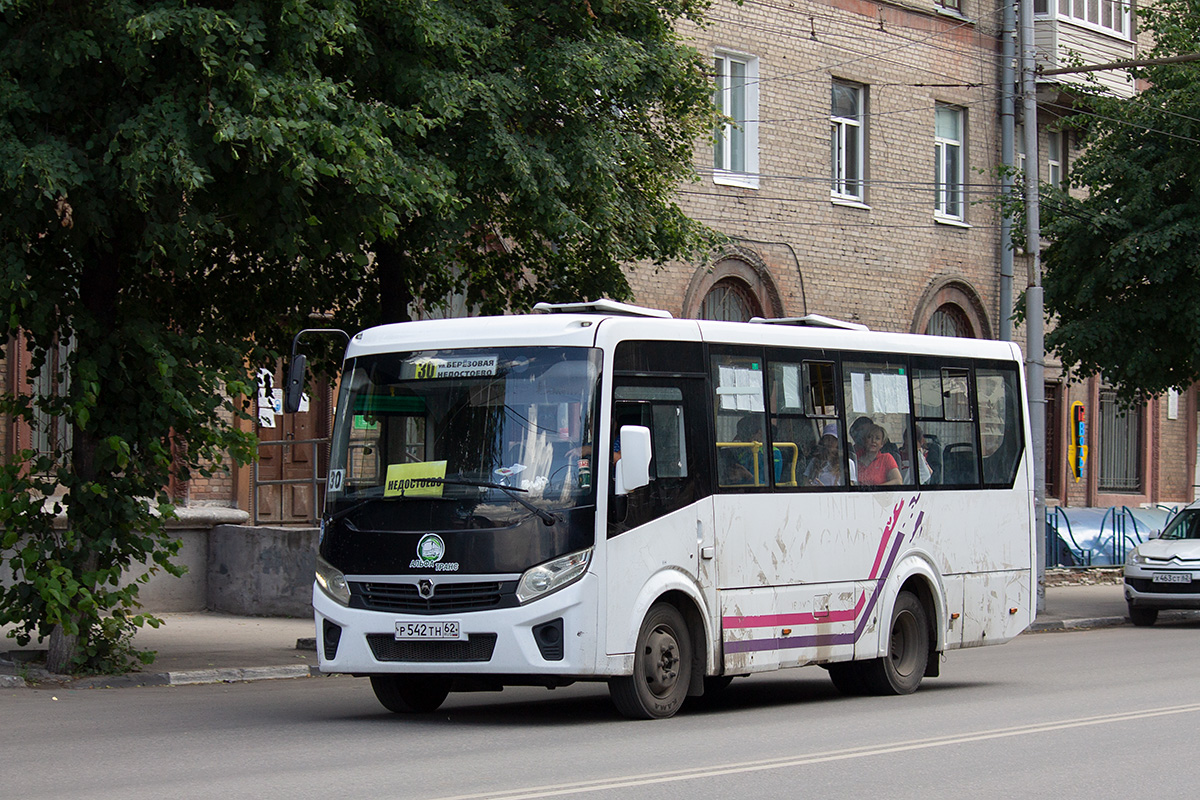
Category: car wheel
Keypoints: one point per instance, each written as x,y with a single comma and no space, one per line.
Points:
410,694
662,667
901,670
1143,617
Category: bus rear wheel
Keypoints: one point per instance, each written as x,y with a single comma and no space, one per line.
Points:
901,670
411,694
662,667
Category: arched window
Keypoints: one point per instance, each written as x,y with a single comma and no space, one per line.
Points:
950,320
730,300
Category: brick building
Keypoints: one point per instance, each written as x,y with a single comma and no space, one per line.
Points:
860,184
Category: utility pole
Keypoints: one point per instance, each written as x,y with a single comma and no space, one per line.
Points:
1035,347
1008,81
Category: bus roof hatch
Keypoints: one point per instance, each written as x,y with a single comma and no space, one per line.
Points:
812,321
601,307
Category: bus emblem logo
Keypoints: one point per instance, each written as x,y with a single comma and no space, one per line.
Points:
431,548
425,589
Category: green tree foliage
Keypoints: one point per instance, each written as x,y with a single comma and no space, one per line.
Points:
1122,280
182,184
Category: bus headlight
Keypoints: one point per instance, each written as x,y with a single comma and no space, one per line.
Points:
553,575
332,581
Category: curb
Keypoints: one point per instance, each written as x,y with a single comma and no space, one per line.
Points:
1077,624
194,677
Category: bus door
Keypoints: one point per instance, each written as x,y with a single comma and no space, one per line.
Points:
665,526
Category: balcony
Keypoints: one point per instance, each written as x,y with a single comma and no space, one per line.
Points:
1094,31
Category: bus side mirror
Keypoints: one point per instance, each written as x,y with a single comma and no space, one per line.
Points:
633,470
293,390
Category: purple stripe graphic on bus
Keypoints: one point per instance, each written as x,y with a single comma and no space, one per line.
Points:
862,611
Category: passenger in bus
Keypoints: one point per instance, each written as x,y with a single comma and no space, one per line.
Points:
920,458
736,464
875,467
858,430
825,468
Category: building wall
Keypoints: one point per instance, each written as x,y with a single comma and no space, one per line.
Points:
878,262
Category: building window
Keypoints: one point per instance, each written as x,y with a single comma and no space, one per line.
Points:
735,144
1055,150
1108,15
1120,444
953,5
730,300
948,162
950,320
846,141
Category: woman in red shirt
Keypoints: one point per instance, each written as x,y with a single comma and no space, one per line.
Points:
876,468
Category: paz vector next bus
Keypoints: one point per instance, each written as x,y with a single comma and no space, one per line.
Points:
601,492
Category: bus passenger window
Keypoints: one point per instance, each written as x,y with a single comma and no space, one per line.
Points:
877,408
1000,424
804,424
943,404
745,457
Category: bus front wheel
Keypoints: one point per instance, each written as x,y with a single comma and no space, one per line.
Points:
410,694
901,670
662,667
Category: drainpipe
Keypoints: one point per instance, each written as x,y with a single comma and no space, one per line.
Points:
1035,357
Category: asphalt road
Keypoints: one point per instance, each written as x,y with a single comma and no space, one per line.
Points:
1096,714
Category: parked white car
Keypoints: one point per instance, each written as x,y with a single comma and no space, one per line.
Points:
1164,572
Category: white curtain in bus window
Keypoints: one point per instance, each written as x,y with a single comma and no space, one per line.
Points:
740,425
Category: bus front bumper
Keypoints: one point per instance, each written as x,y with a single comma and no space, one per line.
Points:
554,635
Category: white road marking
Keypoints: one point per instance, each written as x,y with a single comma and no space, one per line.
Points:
697,773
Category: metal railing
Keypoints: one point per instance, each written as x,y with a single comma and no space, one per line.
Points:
316,480
1120,530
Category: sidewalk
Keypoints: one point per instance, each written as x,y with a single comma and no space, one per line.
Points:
207,647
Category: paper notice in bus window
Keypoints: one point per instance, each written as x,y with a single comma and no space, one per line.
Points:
858,392
791,386
889,393
424,479
740,389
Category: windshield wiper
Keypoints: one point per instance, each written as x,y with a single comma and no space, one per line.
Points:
545,516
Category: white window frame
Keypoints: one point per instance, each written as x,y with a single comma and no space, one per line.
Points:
730,101
1055,158
1111,17
950,190
840,155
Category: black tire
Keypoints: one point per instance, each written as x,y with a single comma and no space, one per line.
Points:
847,678
411,694
662,667
1143,617
901,670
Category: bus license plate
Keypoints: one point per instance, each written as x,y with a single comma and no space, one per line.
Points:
1171,577
444,630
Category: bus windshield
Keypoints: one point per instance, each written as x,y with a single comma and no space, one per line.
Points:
510,426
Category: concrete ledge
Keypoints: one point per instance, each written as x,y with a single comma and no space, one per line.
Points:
261,571
12,682
236,675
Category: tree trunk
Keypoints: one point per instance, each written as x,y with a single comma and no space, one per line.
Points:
98,291
395,292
